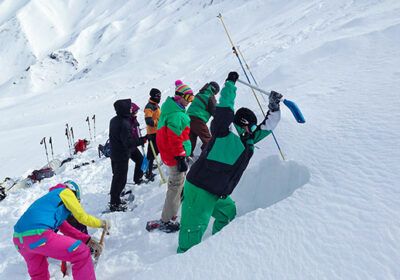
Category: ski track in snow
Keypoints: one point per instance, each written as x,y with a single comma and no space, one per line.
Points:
329,212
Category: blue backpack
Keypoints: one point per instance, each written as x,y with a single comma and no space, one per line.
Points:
105,149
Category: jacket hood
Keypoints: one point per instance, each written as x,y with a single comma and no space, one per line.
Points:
122,107
170,107
134,107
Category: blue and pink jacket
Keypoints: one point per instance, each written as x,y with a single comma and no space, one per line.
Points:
50,213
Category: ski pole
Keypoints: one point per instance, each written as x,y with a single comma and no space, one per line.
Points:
43,141
94,127
96,258
69,135
290,104
72,134
51,146
90,131
248,69
244,71
69,144
163,180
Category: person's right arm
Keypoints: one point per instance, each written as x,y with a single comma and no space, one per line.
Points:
224,112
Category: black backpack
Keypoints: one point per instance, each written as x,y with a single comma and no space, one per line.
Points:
105,149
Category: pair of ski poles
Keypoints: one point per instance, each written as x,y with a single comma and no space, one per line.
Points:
43,142
291,105
94,127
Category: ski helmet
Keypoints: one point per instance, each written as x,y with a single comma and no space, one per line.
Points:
214,87
155,92
245,116
73,187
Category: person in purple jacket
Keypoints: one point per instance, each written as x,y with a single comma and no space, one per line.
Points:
136,155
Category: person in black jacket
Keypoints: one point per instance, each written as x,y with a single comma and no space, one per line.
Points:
214,176
121,143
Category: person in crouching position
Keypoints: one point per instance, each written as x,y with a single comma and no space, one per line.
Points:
35,235
214,176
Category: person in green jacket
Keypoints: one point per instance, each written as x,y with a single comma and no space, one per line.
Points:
200,111
174,146
213,177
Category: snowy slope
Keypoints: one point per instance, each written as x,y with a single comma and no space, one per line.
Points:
330,211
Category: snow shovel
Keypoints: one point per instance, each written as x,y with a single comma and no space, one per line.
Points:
290,104
163,180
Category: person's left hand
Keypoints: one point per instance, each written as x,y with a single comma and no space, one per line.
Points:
96,246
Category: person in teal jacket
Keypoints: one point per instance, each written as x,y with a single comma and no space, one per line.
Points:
214,176
35,235
200,111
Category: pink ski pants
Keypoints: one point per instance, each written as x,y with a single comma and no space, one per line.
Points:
36,248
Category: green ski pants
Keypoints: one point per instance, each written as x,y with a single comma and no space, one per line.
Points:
198,206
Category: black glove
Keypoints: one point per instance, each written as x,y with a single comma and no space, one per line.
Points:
142,140
232,76
182,165
274,99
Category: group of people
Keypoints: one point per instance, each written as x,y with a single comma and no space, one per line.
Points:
203,191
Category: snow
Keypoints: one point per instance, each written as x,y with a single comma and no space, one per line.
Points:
330,211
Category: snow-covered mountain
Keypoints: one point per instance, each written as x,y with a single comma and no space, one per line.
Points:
330,211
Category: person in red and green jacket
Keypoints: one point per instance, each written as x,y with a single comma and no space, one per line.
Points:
214,176
200,111
174,146
35,235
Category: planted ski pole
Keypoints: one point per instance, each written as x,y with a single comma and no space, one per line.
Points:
90,131
290,104
51,146
69,144
43,141
163,180
247,77
94,127
145,162
248,69
72,135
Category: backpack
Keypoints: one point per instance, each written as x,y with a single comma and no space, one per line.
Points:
40,174
105,149
81,146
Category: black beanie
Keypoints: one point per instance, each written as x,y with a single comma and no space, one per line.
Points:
154,92
245,116
214,87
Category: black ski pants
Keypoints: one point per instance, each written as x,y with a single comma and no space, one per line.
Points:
137,158
120,172
150,155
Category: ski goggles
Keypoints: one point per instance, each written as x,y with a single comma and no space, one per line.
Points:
253,128
188,97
